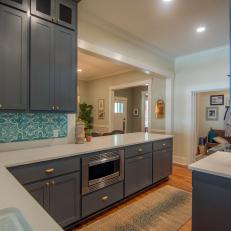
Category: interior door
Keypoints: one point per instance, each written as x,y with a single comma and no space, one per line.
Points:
120,114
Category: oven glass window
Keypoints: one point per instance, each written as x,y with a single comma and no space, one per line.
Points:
103,170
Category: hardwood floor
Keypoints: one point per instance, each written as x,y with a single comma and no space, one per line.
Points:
181,178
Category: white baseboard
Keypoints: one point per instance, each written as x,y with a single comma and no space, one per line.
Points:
180,160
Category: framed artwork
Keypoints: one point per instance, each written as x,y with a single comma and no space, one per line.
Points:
212,113
160,109
101,109
217,100
135,112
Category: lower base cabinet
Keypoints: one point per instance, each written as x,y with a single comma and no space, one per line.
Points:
98,200
162,164
60,196
138,173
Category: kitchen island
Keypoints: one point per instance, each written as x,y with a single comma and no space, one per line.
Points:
212,193
52,174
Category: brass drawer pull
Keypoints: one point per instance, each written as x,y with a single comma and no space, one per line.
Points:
53,182
104,198
140,157
140,150
164,144
0,105
47,184
50,170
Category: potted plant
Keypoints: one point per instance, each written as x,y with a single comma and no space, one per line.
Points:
85,114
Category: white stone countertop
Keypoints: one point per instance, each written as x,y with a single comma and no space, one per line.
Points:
12,193
218,164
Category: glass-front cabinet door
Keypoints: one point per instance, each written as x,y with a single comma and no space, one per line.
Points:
66,13
19,4
43,9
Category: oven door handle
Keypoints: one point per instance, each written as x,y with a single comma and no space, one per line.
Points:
103,160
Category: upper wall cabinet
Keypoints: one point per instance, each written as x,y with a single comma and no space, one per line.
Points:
53,67
13,59
62,12
19,4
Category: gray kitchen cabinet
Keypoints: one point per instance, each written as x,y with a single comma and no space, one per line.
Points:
211,204
13,59
162,164
18,4
53,67
65,69
101,199
44,9
40,191
65,199
66,13
60,196
62,12
138,173
41,65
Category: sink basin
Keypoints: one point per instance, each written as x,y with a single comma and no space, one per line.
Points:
11,219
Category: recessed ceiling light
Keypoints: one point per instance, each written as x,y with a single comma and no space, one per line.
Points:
167,0
79,70
201,29
147,72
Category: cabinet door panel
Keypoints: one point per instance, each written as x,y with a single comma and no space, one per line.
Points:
43,9
19,4
66,13
42,65
65,199
65,70
40,191
13,59
138,173
162,164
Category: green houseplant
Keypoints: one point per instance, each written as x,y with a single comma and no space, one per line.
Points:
85,114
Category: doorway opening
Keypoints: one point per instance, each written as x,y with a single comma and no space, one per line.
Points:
210,108
130,107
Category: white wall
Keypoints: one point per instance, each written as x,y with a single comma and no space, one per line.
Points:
197,72
99,89
204,125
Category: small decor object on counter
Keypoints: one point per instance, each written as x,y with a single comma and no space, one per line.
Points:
80,132
88,133
135,112
212,113
101,109
160,109
217,100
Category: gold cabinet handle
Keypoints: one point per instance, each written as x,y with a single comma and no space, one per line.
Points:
50,170
0,105
140,150
53,107
164,144
57,107
47,184
104,198
53,182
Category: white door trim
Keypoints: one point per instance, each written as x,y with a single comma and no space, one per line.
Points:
123,86
143,93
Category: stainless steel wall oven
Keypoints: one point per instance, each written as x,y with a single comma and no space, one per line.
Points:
101,170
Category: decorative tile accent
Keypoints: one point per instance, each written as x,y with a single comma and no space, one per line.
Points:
16,127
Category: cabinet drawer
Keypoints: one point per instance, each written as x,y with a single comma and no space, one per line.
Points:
138,150
162,144
101,199
45,170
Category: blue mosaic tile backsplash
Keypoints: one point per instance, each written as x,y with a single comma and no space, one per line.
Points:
16,127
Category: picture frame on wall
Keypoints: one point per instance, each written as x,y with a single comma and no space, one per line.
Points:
101,109
217,100
212,113
135,112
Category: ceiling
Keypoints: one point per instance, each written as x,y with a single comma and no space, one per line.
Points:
167,26
96,67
